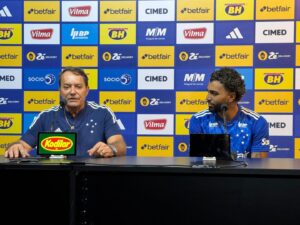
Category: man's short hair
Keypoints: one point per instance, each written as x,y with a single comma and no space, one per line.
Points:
231,80
77,71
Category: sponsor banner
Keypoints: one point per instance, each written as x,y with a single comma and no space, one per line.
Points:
10,123
93,78
280,125
118,101
195,33
274,79
10,78
156,56
27,120
6,140
195,56
155,146
156,10
247,100
297,78
79,11
10,33
279,55
192,79
47,34
117,56
191,101
235,10
127,123
281,147
155,124
297,121
11,56
117,34
275,9
117,79
183,124
11,11
36,101
274,32
298,31
297,10
80,56
154,101
297,102
234,55
234,32
297,55
79,34
41,56
181,146
158,33
195,10
247,76
297,148
37,79
130,144
11,101
41,11
273,102
93,96
117,11
155,79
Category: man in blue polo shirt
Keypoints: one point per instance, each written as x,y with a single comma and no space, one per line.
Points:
249,132
98,133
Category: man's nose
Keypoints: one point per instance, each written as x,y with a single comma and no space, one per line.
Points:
73,90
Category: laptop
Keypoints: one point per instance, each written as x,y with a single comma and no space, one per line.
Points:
53,143
210,145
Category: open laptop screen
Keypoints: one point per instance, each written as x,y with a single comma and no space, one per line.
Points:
53,143
210,145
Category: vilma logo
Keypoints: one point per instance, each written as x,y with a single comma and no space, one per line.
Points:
5,123
57,143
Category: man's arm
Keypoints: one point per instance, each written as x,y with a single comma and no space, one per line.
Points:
18,149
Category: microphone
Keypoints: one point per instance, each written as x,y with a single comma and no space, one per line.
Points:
62,102
223,109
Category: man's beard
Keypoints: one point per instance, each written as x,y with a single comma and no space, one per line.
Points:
216,108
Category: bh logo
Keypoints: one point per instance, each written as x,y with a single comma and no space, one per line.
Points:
117,33
234,9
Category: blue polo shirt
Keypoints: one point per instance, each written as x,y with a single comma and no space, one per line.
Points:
249,132
93,123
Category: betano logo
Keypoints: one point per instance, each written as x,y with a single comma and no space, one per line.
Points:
10,33
35,101
190,101
156,56
117,33
234,55
118,101
41,11
274,79
235,10
183,124
80,56
155,146
195,10
117,11
10,123
11,56
275,9
277,102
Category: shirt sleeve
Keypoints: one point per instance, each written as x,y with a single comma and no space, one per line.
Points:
260,142
111,125
195,125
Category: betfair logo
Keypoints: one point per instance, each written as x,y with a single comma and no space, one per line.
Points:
41,101
182,147
9,56
144,101
80,56
41,11
117,102
273,78
234,9
192,102
155,147
276,102
118,11
275,9
195,10
5,123
234,56
117,33
6,33
156,56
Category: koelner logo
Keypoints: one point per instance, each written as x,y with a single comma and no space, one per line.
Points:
80,11
41,34
156,124
195,33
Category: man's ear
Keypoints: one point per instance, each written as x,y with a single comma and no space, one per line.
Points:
232,97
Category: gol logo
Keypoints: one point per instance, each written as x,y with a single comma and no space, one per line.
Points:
5,123
273,78
57,143
117,33
5,33
234,9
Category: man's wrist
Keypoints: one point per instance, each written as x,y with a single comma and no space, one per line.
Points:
114,149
